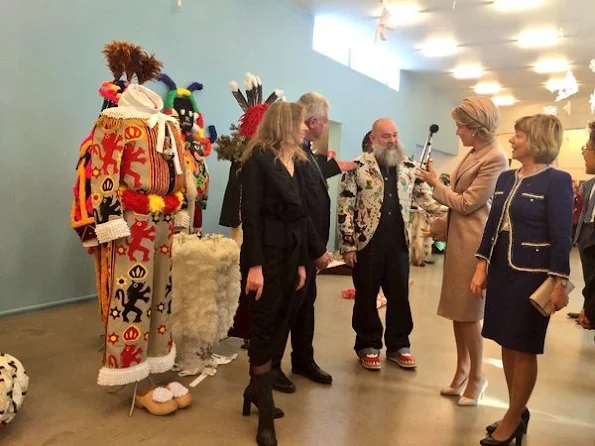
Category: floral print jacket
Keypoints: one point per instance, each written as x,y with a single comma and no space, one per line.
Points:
361,196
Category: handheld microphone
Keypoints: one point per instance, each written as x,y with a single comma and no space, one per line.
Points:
427,151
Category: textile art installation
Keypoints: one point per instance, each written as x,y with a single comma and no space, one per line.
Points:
136,189
207,276
122,58
14,383
180,102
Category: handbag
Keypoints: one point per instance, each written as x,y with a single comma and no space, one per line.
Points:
540,299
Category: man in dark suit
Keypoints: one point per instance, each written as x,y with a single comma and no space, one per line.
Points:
585,231
319,202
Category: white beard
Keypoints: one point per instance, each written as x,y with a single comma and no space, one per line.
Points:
391,155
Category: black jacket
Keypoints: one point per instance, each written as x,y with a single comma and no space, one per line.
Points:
318,201
273,209
230,208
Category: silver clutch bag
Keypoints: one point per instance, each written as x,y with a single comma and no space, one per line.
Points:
540,299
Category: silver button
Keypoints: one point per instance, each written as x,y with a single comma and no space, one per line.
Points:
390,195
386,178
390,213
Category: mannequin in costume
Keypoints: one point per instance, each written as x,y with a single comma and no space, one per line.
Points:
131,180
122,58
181,103
231,148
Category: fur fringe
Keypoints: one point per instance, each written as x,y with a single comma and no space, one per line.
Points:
120,377
163,364
206,278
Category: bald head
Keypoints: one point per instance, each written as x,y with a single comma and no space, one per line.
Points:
387,146
384,132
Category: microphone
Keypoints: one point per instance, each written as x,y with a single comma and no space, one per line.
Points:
427,151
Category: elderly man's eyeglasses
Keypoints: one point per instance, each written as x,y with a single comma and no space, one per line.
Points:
585,148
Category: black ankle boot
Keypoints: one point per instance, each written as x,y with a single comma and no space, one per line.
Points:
250,398
266,422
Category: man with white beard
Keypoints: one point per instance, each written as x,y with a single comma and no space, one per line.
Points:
374,206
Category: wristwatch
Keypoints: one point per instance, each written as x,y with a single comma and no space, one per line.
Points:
562,281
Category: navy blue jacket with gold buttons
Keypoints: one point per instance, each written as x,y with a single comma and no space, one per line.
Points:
540,210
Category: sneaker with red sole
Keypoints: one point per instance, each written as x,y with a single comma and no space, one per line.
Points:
371,361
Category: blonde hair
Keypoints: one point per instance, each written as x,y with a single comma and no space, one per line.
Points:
478,113
280,125
315,105
544,136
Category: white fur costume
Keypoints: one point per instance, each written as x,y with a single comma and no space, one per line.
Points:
13,387
206,275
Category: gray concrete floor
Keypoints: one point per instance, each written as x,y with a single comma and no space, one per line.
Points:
393,407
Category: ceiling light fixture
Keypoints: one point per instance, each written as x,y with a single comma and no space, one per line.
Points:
516,5
468,72
439,48
401,14
487,88
503,101
547,66
538,38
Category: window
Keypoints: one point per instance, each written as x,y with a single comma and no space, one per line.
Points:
354,47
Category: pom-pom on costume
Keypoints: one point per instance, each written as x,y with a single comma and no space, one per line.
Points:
207,276
180,102
14,383
230,148
137,180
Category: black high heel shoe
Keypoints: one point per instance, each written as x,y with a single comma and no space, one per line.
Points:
250,398
525,416
517,436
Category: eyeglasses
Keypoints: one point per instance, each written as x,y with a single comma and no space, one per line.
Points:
585,148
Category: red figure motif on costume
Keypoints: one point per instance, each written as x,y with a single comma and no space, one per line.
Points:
112,143
130,355
139,233
131,155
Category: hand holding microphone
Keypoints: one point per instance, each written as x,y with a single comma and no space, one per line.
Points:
426,171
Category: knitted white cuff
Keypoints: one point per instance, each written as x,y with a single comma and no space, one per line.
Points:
112,230
182,219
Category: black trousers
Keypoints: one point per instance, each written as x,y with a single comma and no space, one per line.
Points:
384,262
270,315
301,324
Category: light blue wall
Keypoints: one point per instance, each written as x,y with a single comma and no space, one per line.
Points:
52,66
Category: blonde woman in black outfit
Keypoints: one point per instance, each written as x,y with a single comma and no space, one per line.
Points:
274,251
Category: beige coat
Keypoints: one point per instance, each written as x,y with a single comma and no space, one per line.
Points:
469,200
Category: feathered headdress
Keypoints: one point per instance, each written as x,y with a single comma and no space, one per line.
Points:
230,147
126,58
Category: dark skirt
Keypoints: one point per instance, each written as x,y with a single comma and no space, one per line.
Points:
510,319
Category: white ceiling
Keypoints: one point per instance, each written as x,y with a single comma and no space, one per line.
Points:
486,36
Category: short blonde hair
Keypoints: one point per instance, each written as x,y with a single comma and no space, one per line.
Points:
315,105
544,136
281,124
478,113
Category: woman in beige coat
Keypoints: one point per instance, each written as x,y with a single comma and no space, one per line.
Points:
468,200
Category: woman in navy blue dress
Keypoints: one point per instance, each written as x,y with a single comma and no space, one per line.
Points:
526,239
